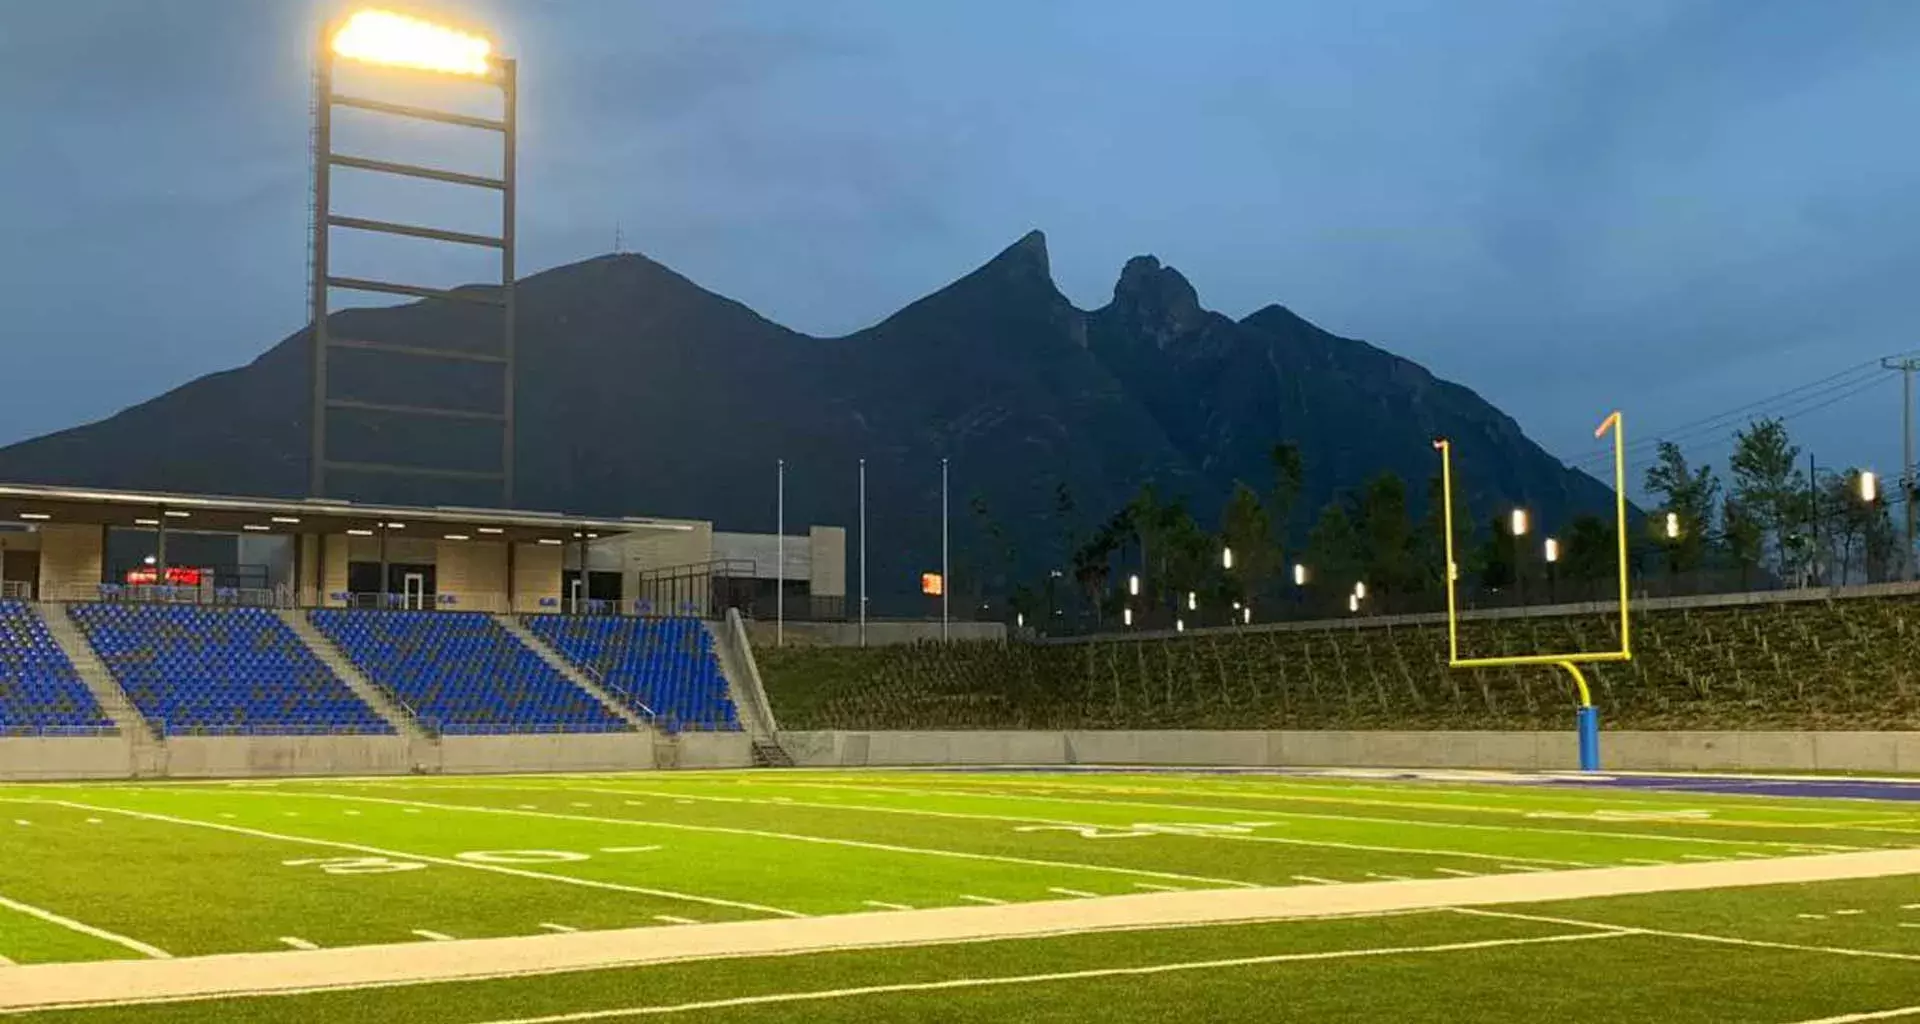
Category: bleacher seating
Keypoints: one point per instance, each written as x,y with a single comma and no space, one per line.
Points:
463,673
662,668
39,690
221,671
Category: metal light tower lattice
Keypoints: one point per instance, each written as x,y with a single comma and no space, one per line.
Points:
398,42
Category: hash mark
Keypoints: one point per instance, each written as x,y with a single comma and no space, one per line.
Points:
988,900
886,906
1314,881
1848,913
563,929
297,943
1460,873
1075,893
435,936
1389,878
670,919
1158,888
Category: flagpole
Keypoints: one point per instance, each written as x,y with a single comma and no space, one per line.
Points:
863,552
780,560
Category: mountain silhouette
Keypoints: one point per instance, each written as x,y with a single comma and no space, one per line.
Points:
641,393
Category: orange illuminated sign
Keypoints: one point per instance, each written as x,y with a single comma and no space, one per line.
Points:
932,584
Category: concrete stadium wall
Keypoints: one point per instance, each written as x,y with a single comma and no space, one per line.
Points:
206,757
26,759
566,752
203,757
714,750
1620,751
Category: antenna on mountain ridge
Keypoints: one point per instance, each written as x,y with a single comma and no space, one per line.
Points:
619,241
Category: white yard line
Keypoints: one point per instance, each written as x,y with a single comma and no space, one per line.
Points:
1725,940
1150,887
1388,878
499,869
83,928
883,905
297,942
1327,843
1860,1018
861,844
1456,872
433,936
1079,894
986,900
1311,880
560,928
40,987
1095,974
1016,794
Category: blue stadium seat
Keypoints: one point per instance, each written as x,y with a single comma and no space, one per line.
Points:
39,690
463,673
665,668
221,671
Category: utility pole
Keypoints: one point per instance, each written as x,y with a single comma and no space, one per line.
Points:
946,583
863,552
1906,366
780,558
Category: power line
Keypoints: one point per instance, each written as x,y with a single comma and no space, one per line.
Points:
1848,378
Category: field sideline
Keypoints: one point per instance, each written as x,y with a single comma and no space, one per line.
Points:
891,895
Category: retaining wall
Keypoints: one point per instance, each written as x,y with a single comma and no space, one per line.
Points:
187,757
1620,751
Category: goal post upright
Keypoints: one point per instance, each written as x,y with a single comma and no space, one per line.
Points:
1586,715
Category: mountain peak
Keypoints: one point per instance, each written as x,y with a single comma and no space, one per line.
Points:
1157,299
1026,257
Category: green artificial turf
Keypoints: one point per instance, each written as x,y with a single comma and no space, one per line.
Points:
209,868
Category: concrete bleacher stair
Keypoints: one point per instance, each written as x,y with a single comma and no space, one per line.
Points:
93,672
571,672
744,688
384,704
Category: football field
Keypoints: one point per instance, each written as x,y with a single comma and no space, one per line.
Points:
960,896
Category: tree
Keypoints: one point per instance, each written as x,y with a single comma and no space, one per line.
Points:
1245,530
1334,550
1744,537
1288,473
1498,569
1386,536
1428,546
1770,488
1690,495
1592,554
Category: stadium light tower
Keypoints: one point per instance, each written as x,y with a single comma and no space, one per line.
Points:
1299,574
410,45
1226,558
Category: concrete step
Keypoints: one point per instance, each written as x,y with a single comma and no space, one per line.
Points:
770,754
745,689
573,673
94,673
383,701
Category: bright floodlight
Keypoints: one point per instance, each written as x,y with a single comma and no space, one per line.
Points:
1179,625
1020,620
1126,616
383,37
1193,601
1553,550
1226,558
1673,525
1519,522
1133,586
1869,486
1246,614
1299,574
1353,602
1360,591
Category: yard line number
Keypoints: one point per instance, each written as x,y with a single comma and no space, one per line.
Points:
394,865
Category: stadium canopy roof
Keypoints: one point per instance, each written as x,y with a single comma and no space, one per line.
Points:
36,504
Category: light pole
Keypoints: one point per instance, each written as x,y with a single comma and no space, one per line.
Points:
863,552
780,555
946,584
386,39
1673,547
1551,551
1517,525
